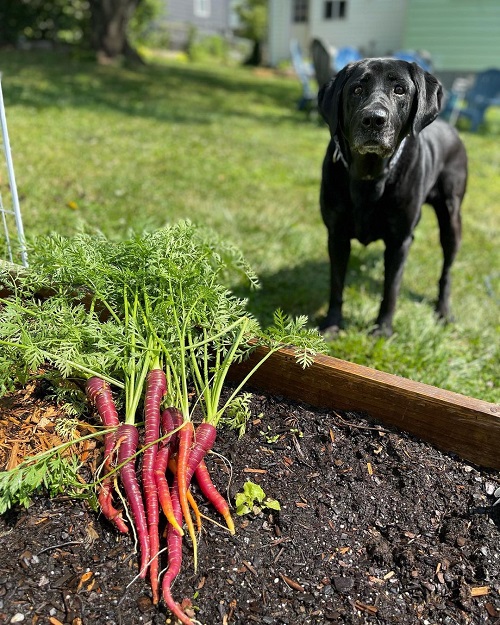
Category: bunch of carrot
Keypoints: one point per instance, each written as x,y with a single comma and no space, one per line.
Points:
168,441
135,315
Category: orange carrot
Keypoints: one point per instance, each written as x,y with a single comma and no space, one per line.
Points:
185,440
168,419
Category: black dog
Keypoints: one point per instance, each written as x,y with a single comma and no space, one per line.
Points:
387,156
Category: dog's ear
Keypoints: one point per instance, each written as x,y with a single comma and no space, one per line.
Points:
428,96
329,99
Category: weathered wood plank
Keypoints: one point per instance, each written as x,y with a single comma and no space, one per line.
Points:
452,422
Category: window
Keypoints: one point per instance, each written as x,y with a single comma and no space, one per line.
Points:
301,11
201,8
335,9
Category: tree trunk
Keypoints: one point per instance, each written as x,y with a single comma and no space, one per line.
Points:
255,57
109,21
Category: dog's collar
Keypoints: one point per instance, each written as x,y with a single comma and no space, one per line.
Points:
337,153
338,156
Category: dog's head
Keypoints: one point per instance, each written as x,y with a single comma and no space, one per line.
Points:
375,103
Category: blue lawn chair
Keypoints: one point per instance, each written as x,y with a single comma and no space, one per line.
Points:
414,57
344,56
305,74
484,92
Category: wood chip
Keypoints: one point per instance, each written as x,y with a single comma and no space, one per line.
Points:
201,583
365,607
370,468
250,470
54,621
292,583
492,611
13,457
479,591
84,578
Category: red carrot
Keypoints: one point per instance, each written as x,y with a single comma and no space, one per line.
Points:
204,439
156,386
209,491
100,396
174,543
162,459
127,439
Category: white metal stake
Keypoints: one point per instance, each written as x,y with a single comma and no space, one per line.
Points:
12,181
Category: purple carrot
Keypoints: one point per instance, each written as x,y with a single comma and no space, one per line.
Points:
100,396
209,490
127,439
156,387
174,543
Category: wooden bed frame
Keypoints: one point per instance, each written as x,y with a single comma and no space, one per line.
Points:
452,422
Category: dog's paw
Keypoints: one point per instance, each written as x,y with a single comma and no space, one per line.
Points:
329,333
382,330
444,314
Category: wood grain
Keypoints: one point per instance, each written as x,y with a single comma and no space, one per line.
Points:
452,422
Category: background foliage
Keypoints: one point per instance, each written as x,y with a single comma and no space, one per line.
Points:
63,21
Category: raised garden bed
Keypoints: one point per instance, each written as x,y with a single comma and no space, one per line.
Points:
375,526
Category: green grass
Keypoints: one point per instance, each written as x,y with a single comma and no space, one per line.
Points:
115,148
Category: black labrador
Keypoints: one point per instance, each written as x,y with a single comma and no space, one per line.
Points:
387,156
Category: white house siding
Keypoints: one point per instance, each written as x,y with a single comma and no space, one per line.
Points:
459,34
180,15
279,34
375,26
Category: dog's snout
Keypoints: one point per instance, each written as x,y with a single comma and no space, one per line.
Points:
374,118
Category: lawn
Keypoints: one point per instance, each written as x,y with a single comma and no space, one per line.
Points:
115,149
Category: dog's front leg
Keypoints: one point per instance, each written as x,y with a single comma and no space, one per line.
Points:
339,250
394,260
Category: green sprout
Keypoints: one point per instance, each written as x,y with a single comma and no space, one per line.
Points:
254,499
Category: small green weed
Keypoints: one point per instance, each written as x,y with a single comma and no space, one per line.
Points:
254,499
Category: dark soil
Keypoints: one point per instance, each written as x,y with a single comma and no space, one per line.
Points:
375,527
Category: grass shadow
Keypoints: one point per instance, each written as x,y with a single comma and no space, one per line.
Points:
173,93
304,288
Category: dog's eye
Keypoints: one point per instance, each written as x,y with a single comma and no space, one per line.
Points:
399,90
358,90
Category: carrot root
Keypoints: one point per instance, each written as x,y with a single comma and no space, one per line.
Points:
99,394
185,440
209,491
174,543
156,387
168,423
127,438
